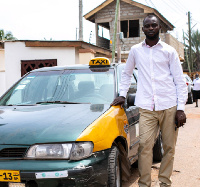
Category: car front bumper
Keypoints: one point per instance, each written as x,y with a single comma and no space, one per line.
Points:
91,171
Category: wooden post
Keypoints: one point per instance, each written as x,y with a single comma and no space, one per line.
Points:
80,20
190,42
186,55
115,31
118,39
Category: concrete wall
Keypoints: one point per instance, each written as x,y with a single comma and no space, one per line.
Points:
165,37
2,82
127,12
103,42
85,55
2,72
17,51
2,59
175,43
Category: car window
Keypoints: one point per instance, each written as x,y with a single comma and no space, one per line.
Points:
133,86
94,86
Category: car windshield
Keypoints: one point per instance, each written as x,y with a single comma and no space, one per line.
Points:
95,86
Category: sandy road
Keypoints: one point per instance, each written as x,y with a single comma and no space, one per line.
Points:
187,159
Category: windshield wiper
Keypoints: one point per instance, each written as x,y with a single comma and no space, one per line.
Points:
60,102
20,105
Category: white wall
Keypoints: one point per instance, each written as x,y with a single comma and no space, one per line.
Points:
2,59
17,51
2,72
2,82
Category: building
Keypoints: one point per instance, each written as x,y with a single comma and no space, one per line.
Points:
131,22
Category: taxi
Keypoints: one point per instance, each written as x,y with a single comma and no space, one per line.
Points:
57,128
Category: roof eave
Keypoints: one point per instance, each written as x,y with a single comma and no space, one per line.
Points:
162,18
92,12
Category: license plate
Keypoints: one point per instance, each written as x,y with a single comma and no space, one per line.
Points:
9,176
10,184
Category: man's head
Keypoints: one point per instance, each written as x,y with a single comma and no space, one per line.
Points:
151,27
197,75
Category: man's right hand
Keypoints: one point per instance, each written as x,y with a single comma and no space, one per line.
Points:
118,101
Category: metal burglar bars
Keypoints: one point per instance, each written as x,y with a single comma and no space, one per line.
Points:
28,65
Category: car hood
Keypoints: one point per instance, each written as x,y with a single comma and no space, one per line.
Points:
26,125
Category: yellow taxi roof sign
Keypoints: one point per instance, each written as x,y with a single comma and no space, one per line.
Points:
99,61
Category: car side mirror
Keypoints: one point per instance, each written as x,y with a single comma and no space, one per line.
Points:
131,100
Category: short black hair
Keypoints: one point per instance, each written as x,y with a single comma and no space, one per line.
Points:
151,16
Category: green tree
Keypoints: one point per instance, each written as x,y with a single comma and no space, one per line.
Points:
195,37
6,36
195,41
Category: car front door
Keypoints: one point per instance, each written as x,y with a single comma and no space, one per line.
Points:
132,113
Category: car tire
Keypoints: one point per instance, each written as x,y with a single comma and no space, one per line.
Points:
158,149
190,98
114,168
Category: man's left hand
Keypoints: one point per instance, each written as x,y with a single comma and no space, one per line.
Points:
180,118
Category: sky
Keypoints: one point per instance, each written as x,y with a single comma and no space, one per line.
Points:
59,20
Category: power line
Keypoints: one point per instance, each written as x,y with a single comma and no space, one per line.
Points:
172,7
180,26
153,4
196,20
178,20
147,2
196,23
181,4
177,5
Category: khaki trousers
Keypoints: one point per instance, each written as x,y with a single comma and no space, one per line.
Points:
149,124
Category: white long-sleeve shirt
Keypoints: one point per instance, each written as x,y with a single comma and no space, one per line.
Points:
160,84
196,83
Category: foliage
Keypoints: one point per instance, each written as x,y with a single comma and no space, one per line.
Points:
195,45
195,38
6,36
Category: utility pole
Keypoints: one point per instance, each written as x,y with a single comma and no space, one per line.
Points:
76,34
80,20
90,37
190,43
118,39
115,31
186,55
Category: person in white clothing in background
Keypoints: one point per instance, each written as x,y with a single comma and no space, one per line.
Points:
161,97
196,89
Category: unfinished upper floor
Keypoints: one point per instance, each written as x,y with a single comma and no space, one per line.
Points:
131,22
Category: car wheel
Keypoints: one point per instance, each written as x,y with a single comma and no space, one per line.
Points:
190,98
158,149
114,168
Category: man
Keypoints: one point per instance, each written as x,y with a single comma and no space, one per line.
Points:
196,89
161,96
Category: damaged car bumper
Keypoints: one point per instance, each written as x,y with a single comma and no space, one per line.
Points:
91,171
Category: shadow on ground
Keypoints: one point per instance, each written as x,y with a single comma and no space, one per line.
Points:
133,180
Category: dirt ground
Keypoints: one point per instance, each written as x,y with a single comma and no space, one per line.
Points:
186,171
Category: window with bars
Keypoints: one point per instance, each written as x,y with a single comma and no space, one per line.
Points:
29,65
130,28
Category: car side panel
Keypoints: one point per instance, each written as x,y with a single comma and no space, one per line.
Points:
103,131
133,118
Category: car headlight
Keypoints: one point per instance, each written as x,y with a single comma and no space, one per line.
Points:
72,151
